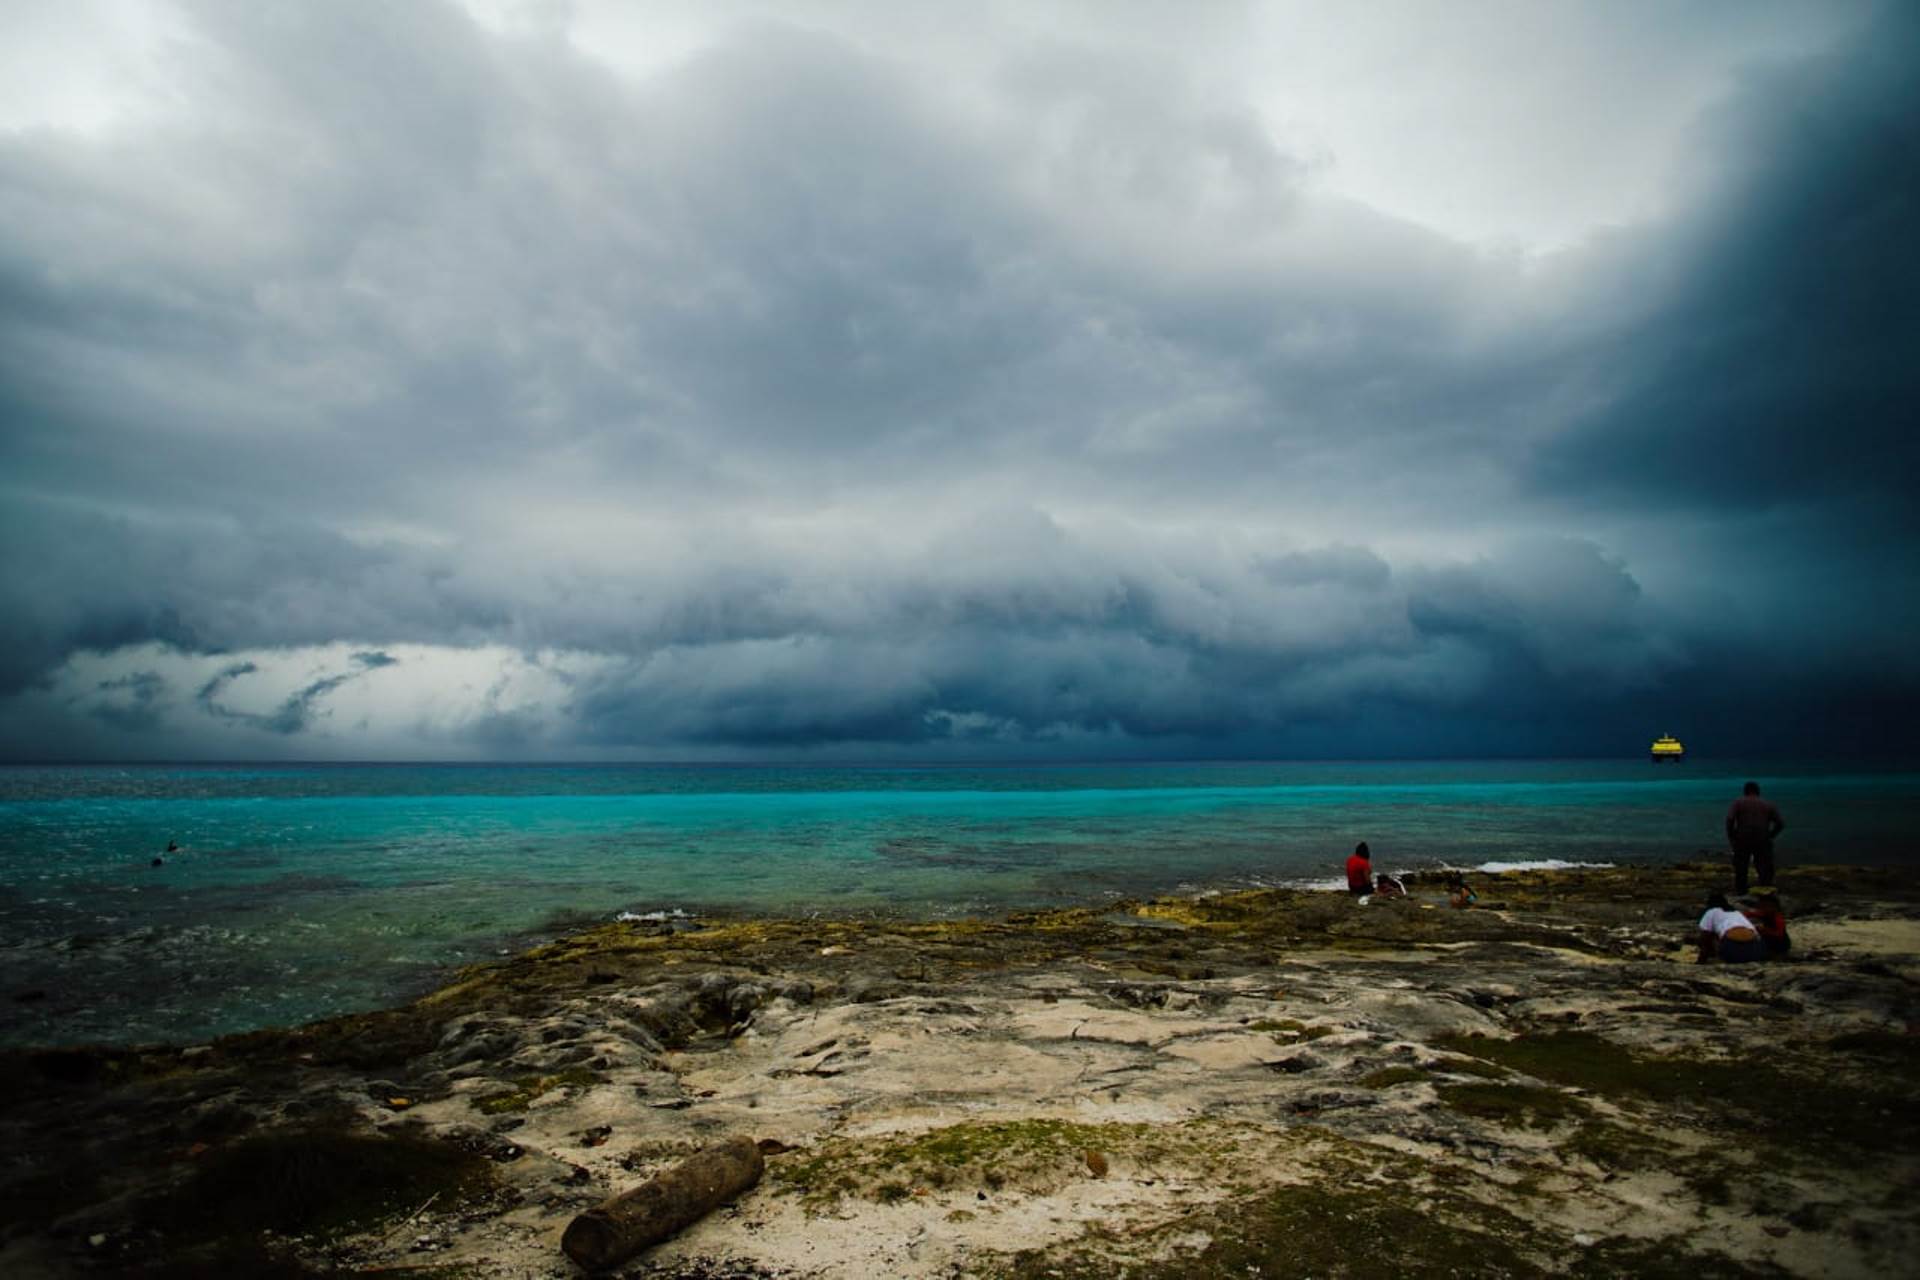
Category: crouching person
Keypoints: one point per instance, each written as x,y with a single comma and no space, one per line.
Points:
1727,935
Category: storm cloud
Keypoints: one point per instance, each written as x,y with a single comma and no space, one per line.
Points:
406,380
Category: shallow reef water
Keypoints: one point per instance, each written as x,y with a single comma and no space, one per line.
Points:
301,891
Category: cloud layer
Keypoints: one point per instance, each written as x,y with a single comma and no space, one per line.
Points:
409,385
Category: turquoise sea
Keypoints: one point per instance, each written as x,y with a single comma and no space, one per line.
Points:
305,890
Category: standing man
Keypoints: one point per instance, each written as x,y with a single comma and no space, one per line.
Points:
1752,823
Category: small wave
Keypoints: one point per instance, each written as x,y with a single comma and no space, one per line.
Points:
650,917
1329,884
1534,864
1338,884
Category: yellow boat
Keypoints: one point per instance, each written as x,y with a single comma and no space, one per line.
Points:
1667,747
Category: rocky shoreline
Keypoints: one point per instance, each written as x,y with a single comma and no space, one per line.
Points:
1263,1083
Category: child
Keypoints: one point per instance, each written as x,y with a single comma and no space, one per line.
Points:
1771,922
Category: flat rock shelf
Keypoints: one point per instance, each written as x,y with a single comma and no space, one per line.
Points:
1275,1083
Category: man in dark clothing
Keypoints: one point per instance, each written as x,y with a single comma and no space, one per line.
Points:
1752,823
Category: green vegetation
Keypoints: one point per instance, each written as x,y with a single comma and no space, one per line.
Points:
1303,1231
1765,1103
1367,1215
1387,1077
1588,1061
987,1156
1292,1029
1514,1105
1616,1149
1662,1260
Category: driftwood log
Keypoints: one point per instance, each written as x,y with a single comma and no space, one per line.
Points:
614,1230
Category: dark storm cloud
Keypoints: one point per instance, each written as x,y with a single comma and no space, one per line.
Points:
1200,651
801,404
1774,360
208,695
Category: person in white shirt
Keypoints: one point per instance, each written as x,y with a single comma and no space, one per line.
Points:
1728,935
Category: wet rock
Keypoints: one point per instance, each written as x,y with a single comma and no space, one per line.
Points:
497,1047
744,999
553,1059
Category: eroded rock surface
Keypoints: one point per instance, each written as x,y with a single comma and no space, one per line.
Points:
1284,1082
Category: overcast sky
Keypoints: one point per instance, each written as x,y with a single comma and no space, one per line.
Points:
830,380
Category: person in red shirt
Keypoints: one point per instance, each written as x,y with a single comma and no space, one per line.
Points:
1752,823
1360,871
1771,922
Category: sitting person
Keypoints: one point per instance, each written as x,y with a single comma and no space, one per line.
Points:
1727,934
1387,886
1771,922
1459,894
1360,871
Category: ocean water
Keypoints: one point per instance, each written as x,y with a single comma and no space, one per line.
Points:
306,890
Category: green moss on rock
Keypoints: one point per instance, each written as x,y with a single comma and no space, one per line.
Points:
1817,1111
1387,1077
989,1156
1290,1030
1301,1231
1514,1105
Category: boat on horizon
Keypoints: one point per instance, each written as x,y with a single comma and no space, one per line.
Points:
1666,747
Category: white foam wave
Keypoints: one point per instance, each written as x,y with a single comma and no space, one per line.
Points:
1534,864
1332,883
651,917
1338,884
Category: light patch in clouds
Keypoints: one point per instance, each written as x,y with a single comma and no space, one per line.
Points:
314,701
1455,117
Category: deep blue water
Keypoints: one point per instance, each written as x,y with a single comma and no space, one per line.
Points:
306,890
